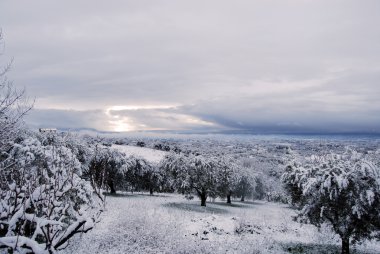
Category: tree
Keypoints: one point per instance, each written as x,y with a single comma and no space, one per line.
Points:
248,182
292,183
44,200
341,190
245,182
227,177
192,174
13,106
143,174
107,169
259,189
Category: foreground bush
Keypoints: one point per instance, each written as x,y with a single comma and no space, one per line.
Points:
44,200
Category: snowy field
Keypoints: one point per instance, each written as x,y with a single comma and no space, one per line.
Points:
153,156
168,223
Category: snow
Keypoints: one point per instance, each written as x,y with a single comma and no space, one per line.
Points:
168,223
22,240
52,193
151,155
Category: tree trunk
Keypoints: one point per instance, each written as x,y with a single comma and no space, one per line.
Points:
151,191
242,198
346,245
229,197
203,199
112,187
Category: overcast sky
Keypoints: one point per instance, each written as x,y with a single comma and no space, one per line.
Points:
266,66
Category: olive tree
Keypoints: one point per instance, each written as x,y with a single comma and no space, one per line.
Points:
340,190
192,175
143,174
228,177
107,169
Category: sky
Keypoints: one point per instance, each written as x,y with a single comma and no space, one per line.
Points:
285,66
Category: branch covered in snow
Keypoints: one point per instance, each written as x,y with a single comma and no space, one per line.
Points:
44,199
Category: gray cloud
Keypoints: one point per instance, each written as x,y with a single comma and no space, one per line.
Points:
269,65
68,119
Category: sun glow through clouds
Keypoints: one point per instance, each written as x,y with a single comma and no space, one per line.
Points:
123,123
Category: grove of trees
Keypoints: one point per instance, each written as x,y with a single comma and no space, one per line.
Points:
207,176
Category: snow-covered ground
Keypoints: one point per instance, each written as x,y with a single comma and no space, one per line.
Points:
151,155
168,223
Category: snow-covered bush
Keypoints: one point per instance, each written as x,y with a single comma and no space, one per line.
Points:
341,190
81,147
44,200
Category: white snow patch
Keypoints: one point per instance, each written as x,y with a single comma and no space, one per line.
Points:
166,223
149,154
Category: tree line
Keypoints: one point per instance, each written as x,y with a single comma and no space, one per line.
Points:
189,174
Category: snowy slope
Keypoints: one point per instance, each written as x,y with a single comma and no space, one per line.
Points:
151,155
167,223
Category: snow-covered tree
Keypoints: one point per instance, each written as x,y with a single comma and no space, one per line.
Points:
341,190
292,183
259,188
251,174
82,149
107,169
143,174
44,200
245,184
192,174
227,177
14,104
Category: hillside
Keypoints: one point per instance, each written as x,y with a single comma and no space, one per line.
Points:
169,223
